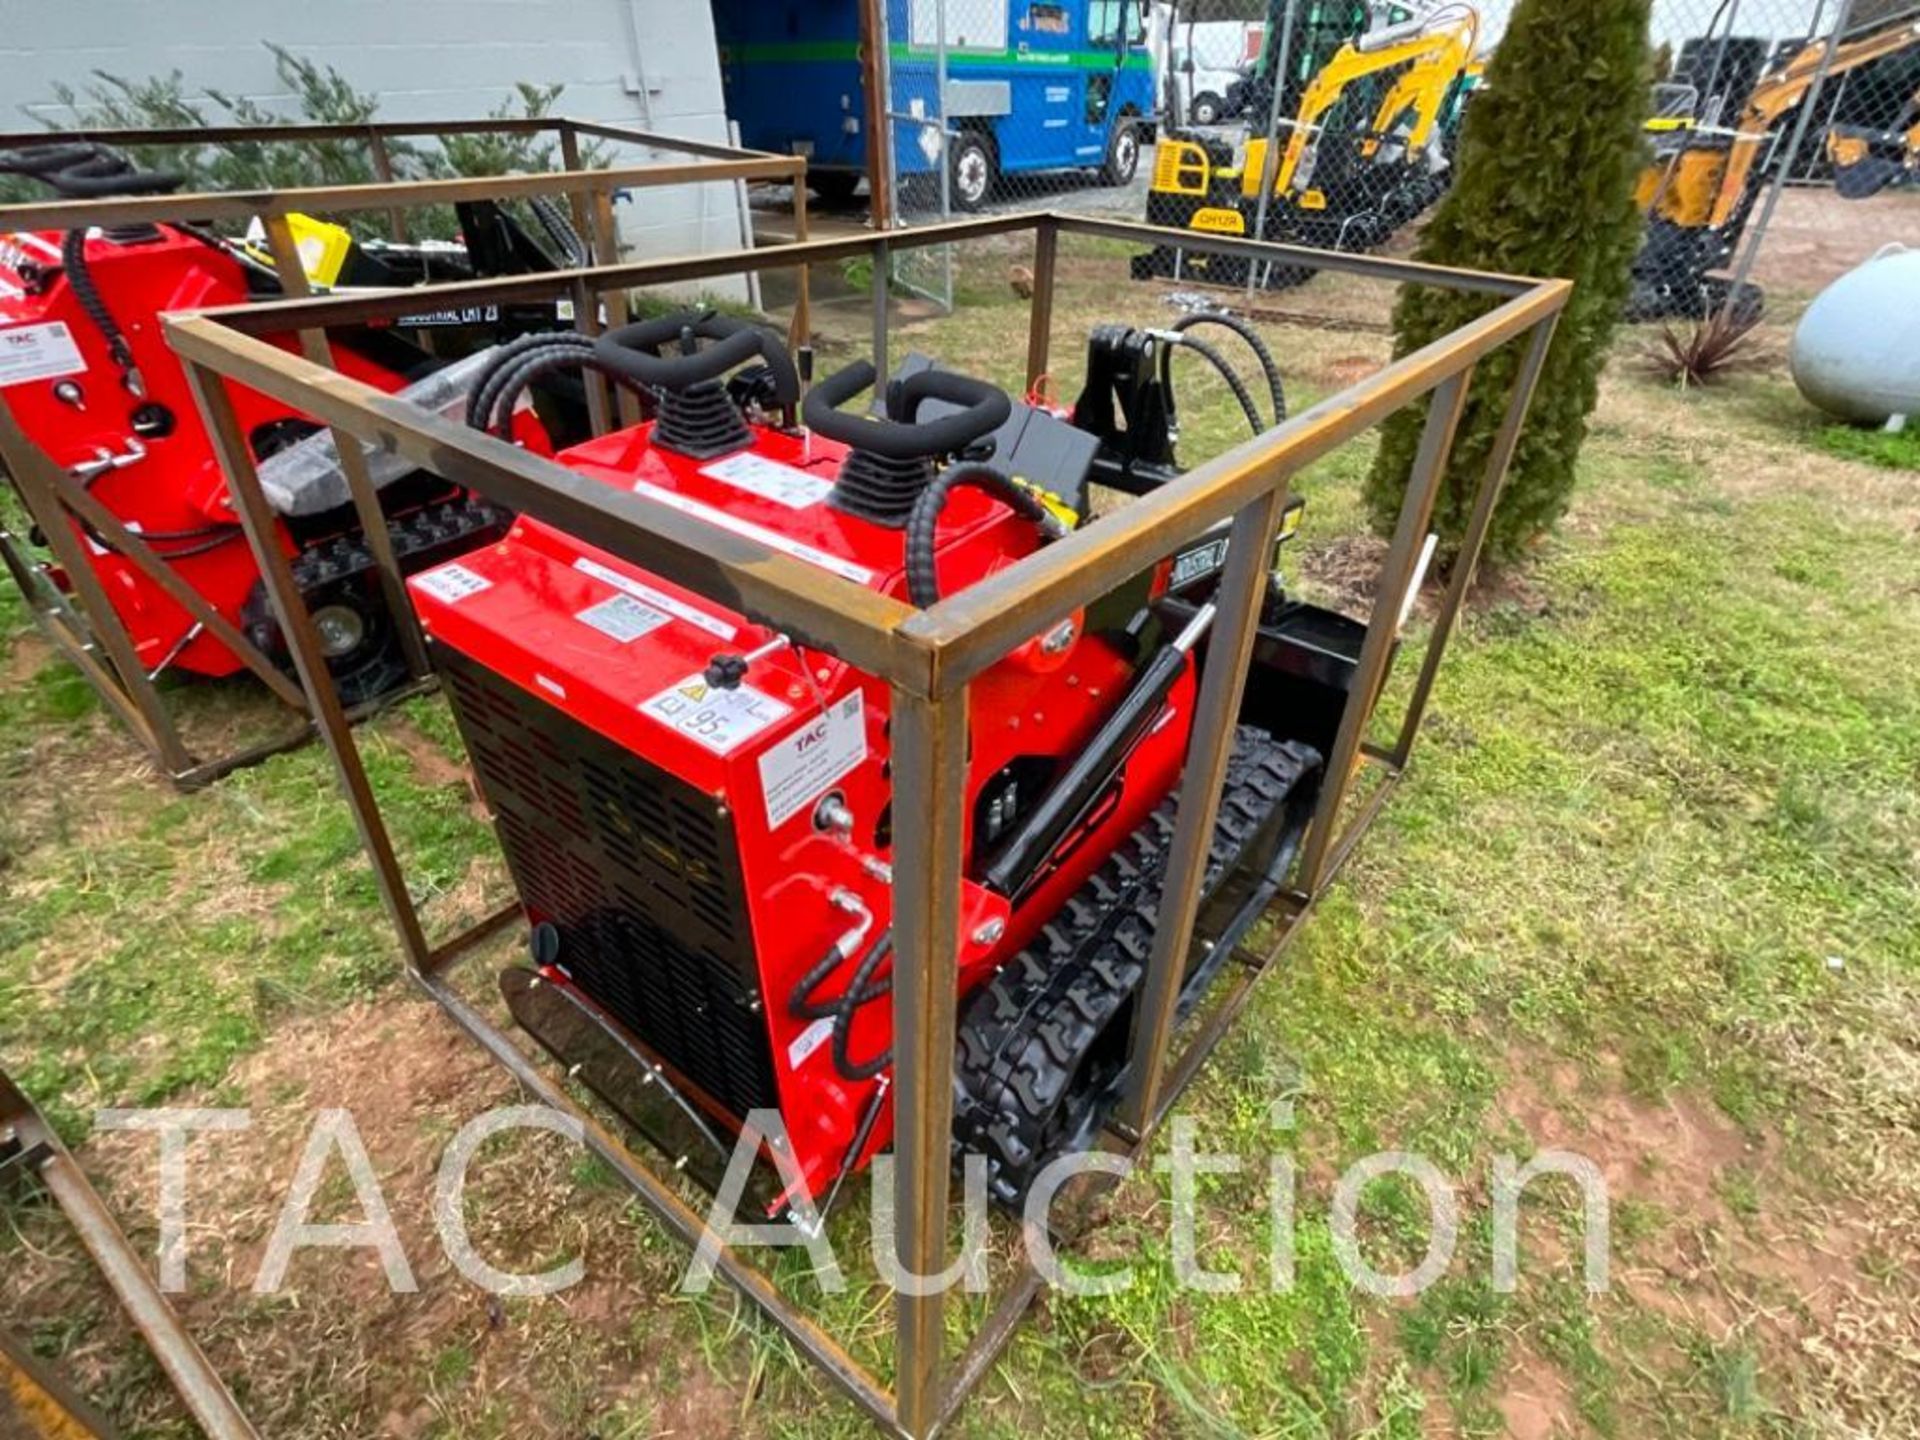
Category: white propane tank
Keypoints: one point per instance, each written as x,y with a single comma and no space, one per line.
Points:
1856,352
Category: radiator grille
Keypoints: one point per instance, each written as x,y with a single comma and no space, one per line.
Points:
637,870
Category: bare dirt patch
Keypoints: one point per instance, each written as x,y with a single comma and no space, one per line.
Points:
1535,1401
337,1351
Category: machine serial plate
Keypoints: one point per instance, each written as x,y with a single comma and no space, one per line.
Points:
622,618
721,720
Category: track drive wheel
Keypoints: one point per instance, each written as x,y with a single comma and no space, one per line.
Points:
1043,1046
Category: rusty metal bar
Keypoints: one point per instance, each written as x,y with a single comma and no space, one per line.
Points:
1473,542
383,172
367,509
339,310
816,607
256,515
1243,590
184,1363
36,477
606,248
801,331
1379,267
1376,651
977,627
586,300
929,759
873,86
129,543
249,204
1046,265
685,1223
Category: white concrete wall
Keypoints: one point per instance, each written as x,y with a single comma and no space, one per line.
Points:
650,63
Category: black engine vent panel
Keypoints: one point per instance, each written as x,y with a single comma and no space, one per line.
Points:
637,871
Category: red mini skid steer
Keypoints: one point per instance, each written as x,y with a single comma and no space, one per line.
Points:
699,813
89,379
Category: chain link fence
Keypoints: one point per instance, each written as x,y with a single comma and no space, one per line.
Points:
1333,123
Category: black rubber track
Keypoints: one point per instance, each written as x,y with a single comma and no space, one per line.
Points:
1027,1036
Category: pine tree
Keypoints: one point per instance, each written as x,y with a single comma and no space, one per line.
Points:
1548,157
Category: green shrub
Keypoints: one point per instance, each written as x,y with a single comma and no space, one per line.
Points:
1547,163
321,95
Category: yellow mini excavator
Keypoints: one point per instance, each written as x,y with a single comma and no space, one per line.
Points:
1368,149
1699,189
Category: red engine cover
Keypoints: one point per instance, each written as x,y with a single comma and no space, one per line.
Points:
624,652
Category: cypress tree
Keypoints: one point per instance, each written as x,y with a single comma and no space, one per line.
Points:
1548,156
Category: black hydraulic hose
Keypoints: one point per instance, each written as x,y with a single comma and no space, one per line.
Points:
73,258
480,399
1234,383
1276,388
803,1003
540,364
923,583
862,989
559,227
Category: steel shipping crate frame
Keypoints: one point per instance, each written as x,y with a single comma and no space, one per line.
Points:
928,658
83,625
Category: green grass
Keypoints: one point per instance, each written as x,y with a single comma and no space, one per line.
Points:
1656,857
1895,449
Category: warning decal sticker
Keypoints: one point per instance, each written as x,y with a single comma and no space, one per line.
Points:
721,720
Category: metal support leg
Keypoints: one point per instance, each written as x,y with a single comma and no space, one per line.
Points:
882,270
586,304
929,773
1467,563
184,1363
1242,590
1416,514
36,477
256,515
801,332
353,464
1046,259
606,245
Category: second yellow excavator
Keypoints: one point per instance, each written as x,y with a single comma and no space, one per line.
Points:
1700,187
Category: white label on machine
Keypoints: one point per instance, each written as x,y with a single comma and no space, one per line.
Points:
452,583
772,539
770,480
797,771
719,719
38,352
808,1041
656,599
622,618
